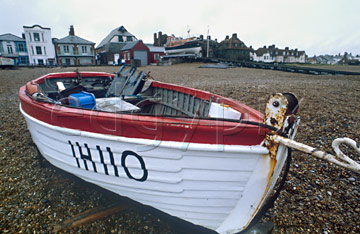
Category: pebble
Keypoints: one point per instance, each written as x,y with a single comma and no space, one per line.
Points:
352,179
33,199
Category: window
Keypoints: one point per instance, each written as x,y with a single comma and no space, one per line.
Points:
156,56
129,38
36,37
66,49
121,39
67,61
84,49
40,61
23,60
38,50
10,49
21,47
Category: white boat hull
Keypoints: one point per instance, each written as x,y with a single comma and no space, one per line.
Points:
193,50
220,187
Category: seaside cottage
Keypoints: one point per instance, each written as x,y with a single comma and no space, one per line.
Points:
14,47
74,50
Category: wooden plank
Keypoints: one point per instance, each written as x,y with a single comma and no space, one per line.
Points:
92,215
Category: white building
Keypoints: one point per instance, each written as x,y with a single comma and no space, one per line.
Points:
272,54
39,44
262,55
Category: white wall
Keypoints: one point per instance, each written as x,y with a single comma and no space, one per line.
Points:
44,42
266,58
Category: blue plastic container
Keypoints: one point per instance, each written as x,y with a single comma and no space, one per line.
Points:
83,100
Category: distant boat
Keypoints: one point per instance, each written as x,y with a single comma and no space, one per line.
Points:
189,153
6,62
179,45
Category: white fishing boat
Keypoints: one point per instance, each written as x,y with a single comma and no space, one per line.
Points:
200,157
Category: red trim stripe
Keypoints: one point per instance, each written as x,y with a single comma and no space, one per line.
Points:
149,127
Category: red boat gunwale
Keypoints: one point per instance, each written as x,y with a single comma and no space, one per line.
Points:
148,127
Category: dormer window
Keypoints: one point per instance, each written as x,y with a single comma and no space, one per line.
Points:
129,38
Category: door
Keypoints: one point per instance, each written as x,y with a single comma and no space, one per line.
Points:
142,55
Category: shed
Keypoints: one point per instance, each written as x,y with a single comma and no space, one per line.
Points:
155,52
136,50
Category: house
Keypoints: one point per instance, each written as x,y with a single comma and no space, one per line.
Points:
108,51
155,52
136,50
41,49
233,49
349,59
273,54
74,50
264,55
14,47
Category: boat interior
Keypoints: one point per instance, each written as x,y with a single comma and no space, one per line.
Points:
130,91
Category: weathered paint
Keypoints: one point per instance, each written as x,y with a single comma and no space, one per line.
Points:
276,108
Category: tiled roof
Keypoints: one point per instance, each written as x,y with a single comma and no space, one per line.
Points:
130,45
73,40
261,51
10,37
278,52
153,48
113,47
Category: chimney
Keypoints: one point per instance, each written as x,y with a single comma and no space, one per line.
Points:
286,48
227,37
155,40
234,36
72,31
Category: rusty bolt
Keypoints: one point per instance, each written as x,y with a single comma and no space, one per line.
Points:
276,104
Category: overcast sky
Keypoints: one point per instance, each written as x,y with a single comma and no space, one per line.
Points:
316,26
